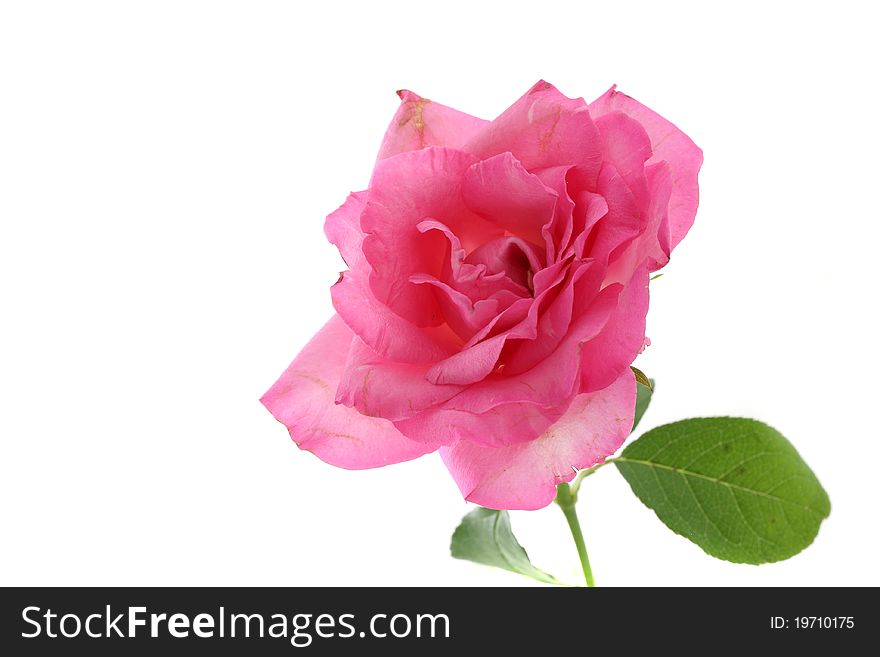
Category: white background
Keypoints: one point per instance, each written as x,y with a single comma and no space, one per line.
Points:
165,168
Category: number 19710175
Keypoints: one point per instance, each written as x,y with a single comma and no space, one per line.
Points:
813,622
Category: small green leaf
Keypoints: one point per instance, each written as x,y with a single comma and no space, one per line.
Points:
484,536
733,486
641,378
643,399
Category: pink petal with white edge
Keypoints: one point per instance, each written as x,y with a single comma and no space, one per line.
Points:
420,122
303,399
525,475
667,143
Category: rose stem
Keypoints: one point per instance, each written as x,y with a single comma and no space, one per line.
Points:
566,502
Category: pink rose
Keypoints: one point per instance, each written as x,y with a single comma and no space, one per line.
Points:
496,292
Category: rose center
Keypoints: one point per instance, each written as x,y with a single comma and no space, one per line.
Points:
514,257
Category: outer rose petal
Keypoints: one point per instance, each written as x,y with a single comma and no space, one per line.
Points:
669,144
525,475
648,245
303,400
627,146
621,340
420,122
343,229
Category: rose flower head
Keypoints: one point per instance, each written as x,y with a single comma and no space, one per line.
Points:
496,292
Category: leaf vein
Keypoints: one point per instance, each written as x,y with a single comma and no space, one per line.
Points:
698,475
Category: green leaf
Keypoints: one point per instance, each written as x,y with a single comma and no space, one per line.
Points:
643,399
484,536
733,486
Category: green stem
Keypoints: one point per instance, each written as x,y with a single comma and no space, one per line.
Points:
583,474
566,502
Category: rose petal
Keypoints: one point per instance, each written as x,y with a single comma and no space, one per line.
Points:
558,232
479,358
470,365
553,324
525,475
343,229
499,264
555,378
626,145
589,210
512,257
383,388
462,314
621,224
420,122
503,410
667,143
303,400
652,244
503,424
614,349
544,129
405,190
500,190
386,332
